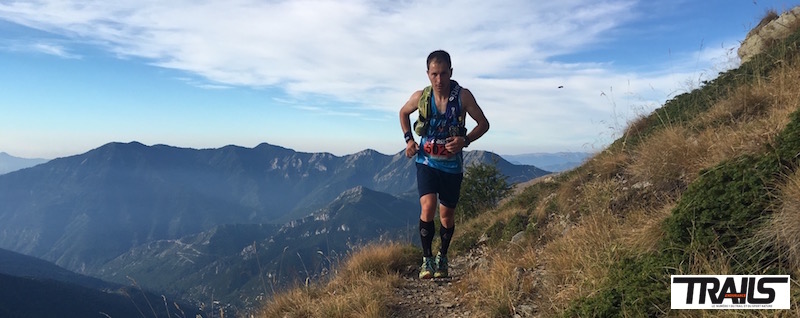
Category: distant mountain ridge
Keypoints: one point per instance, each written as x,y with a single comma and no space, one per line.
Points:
555,162
9,163
35,288
20,265
82,211
230,261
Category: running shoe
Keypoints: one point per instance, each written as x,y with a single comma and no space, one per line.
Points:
441,266
427,269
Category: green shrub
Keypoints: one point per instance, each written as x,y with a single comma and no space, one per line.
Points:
465,238
517,223
483,187
529,198
723,205
719,212
636,287
726,204
495,231
788,142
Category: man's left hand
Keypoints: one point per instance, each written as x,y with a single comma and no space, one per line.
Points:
455,144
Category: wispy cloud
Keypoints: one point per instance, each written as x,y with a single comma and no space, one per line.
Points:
369,54
54,49
327,111
337,48
37,46
203,84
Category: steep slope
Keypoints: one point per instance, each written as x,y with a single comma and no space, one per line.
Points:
239,264
35,288
26,297
700,186
708,184
15,264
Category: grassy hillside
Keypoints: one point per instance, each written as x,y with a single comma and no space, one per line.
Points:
707,184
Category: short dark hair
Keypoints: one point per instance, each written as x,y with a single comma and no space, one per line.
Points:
439,56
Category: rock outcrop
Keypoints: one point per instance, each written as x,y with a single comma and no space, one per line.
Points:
770,29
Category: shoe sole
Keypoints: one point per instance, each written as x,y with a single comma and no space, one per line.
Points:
426,276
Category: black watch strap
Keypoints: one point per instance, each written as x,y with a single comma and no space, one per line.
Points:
408,136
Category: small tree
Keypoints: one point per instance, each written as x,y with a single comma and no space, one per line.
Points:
482,188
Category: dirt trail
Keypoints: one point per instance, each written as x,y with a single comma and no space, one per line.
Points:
431,297
450,297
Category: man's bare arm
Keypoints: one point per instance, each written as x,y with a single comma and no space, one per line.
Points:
405,123
474,111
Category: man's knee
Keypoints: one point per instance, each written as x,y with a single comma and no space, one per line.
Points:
446,216
428,204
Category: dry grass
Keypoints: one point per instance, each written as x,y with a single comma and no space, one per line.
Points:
595,217
642,231
748,120
783,230
668,160
375,261
608,164
362,287
769,16
578,262
636,126
751,117
578,257
498,288
745,103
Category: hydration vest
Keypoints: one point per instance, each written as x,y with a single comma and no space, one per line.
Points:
436,128
425,112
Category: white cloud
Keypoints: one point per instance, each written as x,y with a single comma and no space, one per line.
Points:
335,48
370,54
53,49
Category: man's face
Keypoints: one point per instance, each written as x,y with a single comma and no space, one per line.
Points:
439,74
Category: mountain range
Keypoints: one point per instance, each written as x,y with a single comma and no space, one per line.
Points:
555,162
187,218
239,264
9,163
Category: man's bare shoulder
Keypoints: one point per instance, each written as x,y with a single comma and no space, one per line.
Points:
411,105
415,97
466,92
467,99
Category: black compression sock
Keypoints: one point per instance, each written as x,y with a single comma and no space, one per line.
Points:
446,235
426,233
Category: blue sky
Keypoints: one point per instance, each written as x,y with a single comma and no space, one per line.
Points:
330,76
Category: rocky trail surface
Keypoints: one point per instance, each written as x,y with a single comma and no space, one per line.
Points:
436,297
444,297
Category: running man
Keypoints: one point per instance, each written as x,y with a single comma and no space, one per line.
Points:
439,158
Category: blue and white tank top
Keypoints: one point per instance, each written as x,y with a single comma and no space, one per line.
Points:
432,151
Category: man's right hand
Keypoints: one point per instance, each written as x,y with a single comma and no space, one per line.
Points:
411,148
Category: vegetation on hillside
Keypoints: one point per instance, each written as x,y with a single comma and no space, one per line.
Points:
707,184
361,287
